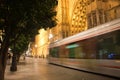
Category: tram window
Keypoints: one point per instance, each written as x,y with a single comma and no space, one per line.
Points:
54,52
108,47
73,51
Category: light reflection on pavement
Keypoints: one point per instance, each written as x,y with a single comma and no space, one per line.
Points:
39,69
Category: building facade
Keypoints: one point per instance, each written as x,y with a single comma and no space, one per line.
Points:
79,15
102,11
75,16
40,46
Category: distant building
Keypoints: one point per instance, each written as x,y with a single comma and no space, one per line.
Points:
40,46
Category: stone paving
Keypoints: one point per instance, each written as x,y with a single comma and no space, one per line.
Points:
39,69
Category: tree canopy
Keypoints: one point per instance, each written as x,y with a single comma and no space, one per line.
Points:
26,17
21,19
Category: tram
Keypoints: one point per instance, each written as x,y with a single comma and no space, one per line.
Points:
95,50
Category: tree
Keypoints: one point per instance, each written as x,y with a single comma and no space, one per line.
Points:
18,49
26,17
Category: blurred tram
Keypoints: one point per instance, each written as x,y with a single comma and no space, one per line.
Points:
95,50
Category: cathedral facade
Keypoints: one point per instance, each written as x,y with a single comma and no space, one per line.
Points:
75,16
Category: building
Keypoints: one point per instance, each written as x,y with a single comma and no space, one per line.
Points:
79,15
40,46
102,11
75,16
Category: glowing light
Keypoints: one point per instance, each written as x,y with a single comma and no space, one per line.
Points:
50,36
35,46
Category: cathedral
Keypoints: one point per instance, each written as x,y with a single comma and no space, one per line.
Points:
75,16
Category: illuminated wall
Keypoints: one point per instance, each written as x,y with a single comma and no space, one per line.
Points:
78,18
40,47
71,18
102,11
75,16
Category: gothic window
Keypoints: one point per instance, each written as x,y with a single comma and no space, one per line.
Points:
100,16
89,21
109,5
115,12
105,17
94,19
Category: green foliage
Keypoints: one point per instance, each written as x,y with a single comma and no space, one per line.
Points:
21,45
21,19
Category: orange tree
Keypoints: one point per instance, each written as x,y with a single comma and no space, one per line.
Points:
23,17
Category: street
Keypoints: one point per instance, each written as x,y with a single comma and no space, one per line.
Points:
39,69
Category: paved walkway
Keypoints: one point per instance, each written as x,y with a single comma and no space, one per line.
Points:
39,69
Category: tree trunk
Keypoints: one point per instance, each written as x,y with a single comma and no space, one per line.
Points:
18,58
14,63
5,43
3,55
3,59
2,71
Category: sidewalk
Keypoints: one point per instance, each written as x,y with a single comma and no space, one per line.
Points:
26,70
39,69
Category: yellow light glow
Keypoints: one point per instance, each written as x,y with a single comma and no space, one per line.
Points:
41,44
